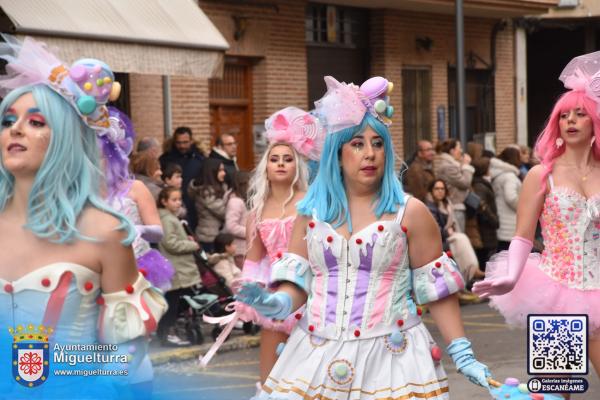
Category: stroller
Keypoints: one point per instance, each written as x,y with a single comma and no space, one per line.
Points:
209,299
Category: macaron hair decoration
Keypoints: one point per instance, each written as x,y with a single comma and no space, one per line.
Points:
88,84
345,105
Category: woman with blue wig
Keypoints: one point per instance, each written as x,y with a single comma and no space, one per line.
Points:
360,250
70,293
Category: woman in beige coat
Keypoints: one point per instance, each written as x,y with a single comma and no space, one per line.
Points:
454,167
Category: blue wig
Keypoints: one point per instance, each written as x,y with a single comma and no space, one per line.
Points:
327,194
69,178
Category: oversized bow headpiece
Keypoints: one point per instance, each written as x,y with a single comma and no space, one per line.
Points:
297,128
583,74
345,105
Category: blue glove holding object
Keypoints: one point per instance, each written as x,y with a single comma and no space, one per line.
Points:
276,305
464,359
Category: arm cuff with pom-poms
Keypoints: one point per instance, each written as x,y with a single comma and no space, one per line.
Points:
293,268
130,313
436,280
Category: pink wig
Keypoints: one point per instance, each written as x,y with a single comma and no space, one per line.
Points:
545,147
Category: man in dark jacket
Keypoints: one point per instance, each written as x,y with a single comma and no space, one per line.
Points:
225,150
420,173
184,152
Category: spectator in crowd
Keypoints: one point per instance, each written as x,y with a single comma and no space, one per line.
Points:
222,259
225,150
172,177
179,249
150,145
420,173
182,151
146,169
454,168
487,214
504,171
526,164
210,194
474,150
205,147
460,246
236,214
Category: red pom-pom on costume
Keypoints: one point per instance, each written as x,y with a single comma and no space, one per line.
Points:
278,254
88,286
404,229
8,288
311,224
143,272
330,239
359,241
419,311
45,282
298,316
436,353
311,328
400,322
380,228
129,289
100,301
357,333
438,264
449,253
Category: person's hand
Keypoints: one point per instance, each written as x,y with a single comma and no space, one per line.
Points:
494,287
462,354
276,305
466,159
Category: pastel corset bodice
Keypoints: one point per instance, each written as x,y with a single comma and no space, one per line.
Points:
571,231
61,295
360,286
129,208
275,234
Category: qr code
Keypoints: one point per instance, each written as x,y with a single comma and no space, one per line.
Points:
557,344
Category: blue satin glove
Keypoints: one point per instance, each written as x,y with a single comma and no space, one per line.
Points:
276,305
462,354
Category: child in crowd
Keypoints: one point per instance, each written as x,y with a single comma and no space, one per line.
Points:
222,260
173,177
178,248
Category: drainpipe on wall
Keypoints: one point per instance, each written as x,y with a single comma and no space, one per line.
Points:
460,75
167,112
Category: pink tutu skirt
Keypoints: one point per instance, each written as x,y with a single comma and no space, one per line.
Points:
537,293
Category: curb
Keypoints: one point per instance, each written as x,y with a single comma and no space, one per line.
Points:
187,353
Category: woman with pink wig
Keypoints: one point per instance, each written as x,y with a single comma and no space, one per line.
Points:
563,192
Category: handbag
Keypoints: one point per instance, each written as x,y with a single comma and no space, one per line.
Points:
472,202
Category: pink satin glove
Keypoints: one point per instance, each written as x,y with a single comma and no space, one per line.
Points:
518,252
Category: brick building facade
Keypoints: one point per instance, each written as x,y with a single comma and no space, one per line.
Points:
267,63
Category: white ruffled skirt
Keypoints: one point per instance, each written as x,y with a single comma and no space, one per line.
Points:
375,368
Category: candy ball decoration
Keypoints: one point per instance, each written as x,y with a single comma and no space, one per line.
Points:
115,91
86,105
374,87
341,370
377,90
436,353
380,106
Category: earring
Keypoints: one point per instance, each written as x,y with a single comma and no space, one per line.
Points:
559,142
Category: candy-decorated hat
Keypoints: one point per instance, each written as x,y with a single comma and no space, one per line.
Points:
345,105
87,85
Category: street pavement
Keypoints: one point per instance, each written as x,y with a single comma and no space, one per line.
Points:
232,375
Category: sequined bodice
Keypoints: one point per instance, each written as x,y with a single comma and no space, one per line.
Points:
571,231
358,283
275,234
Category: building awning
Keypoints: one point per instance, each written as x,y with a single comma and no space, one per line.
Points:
164,37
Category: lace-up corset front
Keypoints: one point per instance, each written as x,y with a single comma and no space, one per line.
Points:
571,231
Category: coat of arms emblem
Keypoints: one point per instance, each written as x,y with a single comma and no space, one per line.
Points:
30,354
